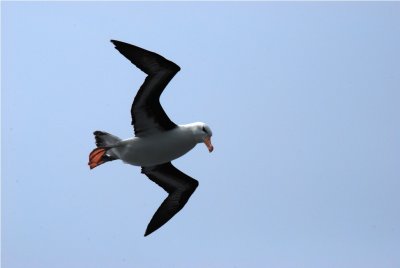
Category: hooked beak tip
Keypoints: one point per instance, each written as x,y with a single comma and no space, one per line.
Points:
207,142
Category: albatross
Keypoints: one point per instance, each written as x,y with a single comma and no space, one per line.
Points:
157,140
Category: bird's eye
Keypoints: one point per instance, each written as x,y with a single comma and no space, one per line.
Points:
204,129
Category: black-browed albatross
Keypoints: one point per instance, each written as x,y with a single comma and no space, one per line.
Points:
157,139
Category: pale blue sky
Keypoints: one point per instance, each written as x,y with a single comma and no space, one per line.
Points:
303,99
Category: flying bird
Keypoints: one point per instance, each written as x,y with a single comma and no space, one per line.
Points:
157,140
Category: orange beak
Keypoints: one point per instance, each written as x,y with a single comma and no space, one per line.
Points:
207,142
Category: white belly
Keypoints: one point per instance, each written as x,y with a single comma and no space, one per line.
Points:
157,149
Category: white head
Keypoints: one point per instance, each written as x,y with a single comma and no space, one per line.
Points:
202,133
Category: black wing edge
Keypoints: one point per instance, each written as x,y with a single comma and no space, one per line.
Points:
147,61
179,187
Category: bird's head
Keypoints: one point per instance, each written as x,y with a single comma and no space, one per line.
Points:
202,133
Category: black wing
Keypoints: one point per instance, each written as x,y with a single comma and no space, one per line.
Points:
179,187
148,117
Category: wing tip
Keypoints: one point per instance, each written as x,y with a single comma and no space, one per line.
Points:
119,44
115,42
149,231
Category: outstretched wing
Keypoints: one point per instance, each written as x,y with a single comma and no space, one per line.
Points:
148,116
179,187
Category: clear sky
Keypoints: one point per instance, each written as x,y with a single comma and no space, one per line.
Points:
303,100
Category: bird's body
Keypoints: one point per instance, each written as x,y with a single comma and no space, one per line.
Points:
157,139
156,149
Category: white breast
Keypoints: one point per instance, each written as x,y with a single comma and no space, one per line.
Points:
156,149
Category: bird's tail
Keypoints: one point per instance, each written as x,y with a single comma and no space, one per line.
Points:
103,153
104,139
